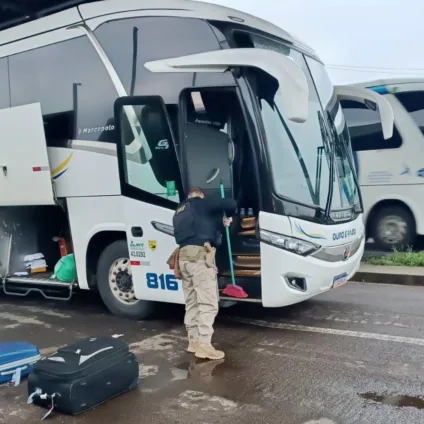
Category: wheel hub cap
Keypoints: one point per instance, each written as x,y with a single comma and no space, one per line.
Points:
392,229
120,281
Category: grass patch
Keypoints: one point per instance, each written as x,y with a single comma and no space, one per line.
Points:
397,258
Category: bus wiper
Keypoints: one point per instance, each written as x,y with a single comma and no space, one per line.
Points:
320,150
329,146
134,60
344,146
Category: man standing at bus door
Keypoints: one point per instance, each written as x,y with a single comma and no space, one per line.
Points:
196,230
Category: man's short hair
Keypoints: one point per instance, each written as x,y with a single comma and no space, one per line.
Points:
195,192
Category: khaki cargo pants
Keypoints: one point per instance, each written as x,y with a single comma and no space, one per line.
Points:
200,289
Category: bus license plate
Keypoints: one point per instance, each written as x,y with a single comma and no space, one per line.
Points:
339,280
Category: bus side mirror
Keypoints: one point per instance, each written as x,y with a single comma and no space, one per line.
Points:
364,95
294,89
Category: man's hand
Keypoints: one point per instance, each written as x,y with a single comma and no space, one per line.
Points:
227,221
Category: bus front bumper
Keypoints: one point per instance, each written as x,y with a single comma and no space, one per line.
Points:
288,278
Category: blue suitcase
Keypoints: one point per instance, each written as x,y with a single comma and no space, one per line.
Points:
16,361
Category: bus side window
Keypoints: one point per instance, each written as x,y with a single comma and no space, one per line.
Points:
413,102
73,87
365,128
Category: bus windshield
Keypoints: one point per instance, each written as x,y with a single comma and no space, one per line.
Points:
310,159
345,192
344,174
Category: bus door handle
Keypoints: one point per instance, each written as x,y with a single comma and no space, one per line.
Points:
213,175
137,231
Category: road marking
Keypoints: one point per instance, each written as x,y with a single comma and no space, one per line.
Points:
332,331
369,283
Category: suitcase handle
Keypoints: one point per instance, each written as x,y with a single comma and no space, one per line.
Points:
37,392
52,405
44,396
16,377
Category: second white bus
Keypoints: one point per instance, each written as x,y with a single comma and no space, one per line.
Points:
391,172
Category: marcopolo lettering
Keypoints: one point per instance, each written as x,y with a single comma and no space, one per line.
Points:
95,130
344,234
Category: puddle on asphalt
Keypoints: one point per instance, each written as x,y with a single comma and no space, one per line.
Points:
399,401
200,369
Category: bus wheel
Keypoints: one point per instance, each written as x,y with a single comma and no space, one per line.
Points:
115,285
393,227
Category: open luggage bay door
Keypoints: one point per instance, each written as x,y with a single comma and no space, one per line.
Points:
25,177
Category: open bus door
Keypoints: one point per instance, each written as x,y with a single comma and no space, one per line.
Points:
25,177
149,228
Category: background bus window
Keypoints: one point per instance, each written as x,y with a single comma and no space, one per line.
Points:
365,128
413,102
4,85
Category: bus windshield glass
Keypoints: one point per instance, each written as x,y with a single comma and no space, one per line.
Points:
342,153
303,154
345,192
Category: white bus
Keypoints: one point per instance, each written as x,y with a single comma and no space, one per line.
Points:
390,171
111,110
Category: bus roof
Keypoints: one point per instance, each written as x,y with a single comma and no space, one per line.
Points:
26,18
387,81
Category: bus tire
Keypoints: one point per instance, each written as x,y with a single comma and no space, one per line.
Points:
115,283
393,227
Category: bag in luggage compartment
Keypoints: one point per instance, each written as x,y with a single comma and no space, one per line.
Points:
16,361
83,375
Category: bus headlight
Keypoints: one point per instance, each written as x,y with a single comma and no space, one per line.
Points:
292,244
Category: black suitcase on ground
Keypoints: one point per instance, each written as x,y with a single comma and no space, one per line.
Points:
83,375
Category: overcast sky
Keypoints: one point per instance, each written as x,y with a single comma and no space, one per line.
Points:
351,34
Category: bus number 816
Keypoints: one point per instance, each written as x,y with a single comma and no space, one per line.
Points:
162,282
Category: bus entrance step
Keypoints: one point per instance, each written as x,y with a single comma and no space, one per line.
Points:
251,285
49,288
247,261
242,273
222,298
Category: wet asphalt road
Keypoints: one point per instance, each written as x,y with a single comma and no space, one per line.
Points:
354,355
